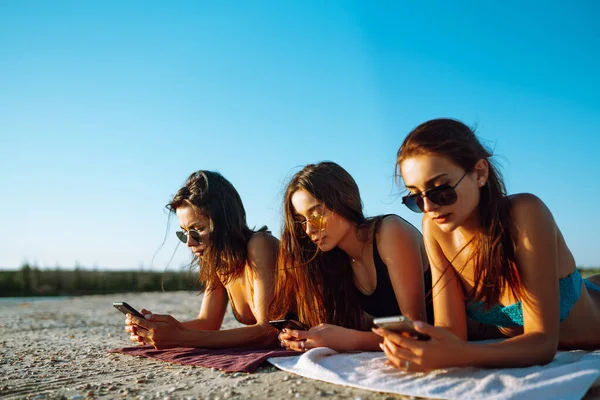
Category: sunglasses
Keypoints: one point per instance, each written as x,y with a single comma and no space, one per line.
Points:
315,219
183,236
443,195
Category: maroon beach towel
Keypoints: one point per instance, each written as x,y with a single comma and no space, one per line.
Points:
229,360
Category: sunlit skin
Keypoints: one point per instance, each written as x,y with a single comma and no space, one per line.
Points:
401,249
543,258
163,331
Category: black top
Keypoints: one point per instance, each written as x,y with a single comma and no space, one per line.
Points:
382,302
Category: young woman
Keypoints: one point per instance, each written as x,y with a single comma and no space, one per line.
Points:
497,259
236,263
335,264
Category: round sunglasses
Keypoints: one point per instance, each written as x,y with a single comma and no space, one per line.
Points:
315,219
193,233
443,195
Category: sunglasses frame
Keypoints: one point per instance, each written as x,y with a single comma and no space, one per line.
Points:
415,197
194,233
320,224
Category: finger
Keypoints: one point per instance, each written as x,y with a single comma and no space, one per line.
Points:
399,352
298,335
143,311
392,359
400,340
159,318
285,336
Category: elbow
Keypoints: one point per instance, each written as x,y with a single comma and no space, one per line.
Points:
547,350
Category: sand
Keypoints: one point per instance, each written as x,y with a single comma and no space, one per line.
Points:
57,349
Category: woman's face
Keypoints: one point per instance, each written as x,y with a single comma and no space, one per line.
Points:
191,218
424,172
323,226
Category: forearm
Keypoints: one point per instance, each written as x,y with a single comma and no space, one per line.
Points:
202,325
362,341
247,336
520,351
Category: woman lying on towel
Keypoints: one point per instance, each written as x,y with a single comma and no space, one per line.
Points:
498,259
236,264
335,264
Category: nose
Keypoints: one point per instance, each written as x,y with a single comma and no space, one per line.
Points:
310,229
190,241
428,205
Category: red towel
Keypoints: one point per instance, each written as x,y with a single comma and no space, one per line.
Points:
229,360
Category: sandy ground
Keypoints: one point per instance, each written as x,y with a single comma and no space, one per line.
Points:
57,349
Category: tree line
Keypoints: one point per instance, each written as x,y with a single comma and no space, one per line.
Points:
33,281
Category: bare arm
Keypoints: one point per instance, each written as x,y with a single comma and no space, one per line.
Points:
262,254
536,251
399,246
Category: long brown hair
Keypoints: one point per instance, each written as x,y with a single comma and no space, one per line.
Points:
318,285
493,248
215,197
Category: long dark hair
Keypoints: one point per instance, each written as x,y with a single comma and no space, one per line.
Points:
215,197
319,285
493,248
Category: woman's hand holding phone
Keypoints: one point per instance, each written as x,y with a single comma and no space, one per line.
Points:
442,349
160,331
135,330
322,335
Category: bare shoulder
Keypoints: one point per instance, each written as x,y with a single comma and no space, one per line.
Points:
393,227
262,248
528,210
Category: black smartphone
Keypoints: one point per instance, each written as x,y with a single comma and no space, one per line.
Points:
127,309
287,323
400,324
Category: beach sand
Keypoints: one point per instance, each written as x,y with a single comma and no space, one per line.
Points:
57,349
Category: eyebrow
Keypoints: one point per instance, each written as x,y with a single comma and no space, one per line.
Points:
429,182
310,210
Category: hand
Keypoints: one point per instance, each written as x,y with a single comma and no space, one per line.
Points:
443,350
133,329
161,331
323,335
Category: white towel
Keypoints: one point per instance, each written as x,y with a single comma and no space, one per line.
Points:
569,376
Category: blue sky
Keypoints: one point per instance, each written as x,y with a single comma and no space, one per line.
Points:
106,108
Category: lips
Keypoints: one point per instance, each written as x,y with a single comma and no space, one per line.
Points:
440,219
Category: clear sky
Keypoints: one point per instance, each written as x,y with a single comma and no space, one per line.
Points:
106,107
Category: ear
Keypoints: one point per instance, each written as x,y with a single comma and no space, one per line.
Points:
482,170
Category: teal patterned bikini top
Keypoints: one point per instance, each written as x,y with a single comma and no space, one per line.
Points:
512,315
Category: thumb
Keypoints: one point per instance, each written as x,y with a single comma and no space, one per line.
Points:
158,317
143,311
430,330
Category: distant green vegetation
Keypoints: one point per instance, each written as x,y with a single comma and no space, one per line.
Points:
33,281
585,272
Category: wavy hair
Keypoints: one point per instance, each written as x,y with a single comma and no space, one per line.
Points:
318,285
493,248
215,197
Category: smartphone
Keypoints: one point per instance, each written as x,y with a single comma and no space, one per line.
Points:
287,323
400,324
127,309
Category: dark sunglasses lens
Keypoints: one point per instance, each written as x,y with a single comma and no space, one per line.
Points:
443,196
413,202
196,236
181,236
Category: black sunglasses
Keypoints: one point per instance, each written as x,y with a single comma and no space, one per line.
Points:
443,195
183,236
